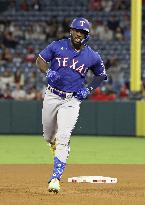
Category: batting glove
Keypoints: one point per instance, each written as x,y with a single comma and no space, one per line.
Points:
52,76
82,93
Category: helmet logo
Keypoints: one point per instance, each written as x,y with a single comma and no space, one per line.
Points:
82,23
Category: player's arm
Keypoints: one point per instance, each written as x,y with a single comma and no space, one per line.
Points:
86,91
51,75
96,82
45,57
100,75
42,65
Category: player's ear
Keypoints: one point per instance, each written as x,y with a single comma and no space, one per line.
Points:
70,32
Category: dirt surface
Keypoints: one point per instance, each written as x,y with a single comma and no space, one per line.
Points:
27,185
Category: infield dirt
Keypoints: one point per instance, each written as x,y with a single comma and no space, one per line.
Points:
27,185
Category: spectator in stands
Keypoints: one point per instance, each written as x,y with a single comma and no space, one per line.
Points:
38,30
9,40
113,23
118,34
52,28
95,5
60,33
7,78
19,77
18,33
107,35
35,5
63,30
125,27
93,28
65,24
7,93
34,94
17,58
19,93
29,34
7,55
31,93
24,6
12,6
125,22
121,5
30,56
108,63
31,80
126,33
106,5
116,73
123,93
99,29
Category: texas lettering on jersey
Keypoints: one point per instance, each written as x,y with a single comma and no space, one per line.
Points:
63,62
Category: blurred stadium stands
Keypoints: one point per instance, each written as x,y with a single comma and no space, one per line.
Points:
26,27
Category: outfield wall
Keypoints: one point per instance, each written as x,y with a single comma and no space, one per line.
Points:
96,118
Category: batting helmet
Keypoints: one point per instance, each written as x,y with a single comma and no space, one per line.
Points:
82,24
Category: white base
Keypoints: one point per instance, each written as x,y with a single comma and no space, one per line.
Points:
93,179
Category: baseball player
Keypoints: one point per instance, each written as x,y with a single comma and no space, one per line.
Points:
69,61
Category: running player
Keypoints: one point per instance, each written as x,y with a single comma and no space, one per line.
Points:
69,60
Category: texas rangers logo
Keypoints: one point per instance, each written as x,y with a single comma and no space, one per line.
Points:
82,23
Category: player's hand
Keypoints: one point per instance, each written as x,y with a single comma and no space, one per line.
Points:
52,76
82,93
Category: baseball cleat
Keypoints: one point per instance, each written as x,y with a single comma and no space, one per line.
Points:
54,186
52,148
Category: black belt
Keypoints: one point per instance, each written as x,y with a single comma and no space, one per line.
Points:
60,93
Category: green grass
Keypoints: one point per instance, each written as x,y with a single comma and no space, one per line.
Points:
84,150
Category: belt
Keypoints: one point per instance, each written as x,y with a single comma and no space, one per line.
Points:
60,93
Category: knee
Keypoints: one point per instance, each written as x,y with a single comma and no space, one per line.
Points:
63,138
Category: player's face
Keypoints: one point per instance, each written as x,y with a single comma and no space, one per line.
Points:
77,36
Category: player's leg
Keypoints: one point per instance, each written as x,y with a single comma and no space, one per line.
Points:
49,116
66,119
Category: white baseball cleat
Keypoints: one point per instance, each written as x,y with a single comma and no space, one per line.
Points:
54,186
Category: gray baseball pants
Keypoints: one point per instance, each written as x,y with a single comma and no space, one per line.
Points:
59,117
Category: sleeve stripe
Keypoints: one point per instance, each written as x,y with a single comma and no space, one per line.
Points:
43,58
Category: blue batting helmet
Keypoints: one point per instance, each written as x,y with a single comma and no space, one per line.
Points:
82,24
